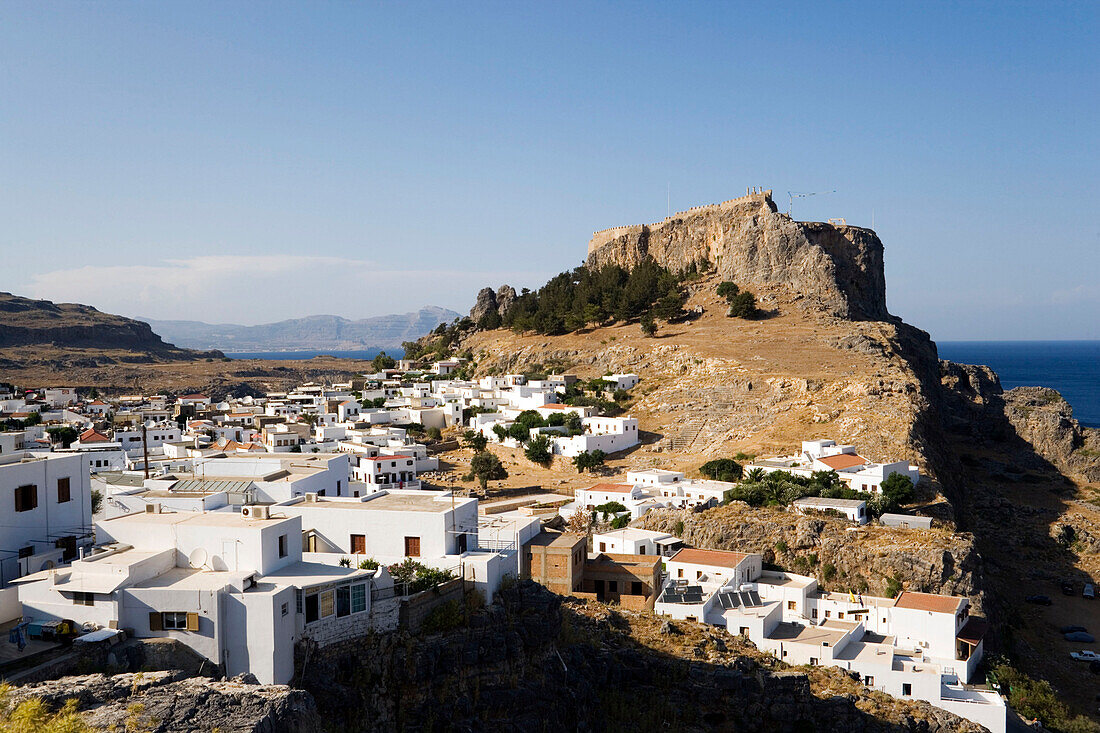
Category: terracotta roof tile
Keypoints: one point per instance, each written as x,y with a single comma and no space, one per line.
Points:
612,488
843,460
928,602
715,558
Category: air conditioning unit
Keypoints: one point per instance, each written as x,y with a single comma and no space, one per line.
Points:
256,512
152,508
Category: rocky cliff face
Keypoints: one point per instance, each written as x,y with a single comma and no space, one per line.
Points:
36,323
838,268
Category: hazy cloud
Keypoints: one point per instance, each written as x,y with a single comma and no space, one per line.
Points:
261,289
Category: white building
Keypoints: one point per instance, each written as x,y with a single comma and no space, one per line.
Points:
861,474
918,645
621,381
234,589
633,541
854,510
46,504
608,434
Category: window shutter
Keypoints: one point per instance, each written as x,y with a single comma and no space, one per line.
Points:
192,622
155,621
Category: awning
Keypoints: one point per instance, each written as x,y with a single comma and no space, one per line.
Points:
973,631
91,583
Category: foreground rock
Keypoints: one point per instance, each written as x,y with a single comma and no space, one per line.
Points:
164,702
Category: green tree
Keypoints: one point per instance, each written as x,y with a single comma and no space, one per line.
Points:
475,440
727,290
500,431
589,460
64,435
743,305
538,451
486,467
649,327
573,424
670,306
897,489
609,508
722,469
383,361
97,500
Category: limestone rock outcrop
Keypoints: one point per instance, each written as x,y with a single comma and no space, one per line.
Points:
837,267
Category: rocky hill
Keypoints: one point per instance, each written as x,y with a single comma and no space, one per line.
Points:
748,241
35,327
308,334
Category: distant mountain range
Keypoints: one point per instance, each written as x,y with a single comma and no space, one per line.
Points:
306,334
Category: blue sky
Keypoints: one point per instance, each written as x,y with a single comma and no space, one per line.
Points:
246,162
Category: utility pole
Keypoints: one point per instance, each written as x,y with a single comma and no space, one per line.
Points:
145,447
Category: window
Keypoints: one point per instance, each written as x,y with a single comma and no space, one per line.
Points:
174,620
743,631
27,551
359,544
26,498
612,586
328,602
698,574
840,614
679,572
412,547
282,545
906,689
63,494
343,601
636,588
828,614
603,547
813,661
791,605
358,597
312,608
83,599
869,681
813,613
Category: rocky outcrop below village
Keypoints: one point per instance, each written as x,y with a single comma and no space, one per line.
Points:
834,266
171,702
38,324
872,559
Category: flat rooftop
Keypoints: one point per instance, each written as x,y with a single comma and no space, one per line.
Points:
206,519
633,533
555,539
806,634
413,501
823,502
779,581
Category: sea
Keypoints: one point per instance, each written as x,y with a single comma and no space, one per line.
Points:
1071,367
300,355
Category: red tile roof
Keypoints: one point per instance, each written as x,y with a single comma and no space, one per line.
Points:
714,558
928,602
613,488
91,435
843,460
554,406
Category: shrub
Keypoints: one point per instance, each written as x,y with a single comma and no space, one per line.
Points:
97,500
345,562
722,469
893,587
444,617
611,507
369,564
828,572
1032,698
781,546
649,327
435,433
620,522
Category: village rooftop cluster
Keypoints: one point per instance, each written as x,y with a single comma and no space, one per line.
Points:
248,527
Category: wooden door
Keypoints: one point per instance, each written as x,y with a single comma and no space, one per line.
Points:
412,547
359,544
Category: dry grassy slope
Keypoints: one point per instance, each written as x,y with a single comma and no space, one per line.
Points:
715,385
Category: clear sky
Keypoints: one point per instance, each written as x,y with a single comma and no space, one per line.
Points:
247,162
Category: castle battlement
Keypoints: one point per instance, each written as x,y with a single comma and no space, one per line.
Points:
753,195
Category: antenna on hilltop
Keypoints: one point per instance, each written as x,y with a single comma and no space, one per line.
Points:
668,199
792,195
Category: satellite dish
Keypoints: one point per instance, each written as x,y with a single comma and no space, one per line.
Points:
197,558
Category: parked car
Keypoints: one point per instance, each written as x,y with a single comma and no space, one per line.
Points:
1071,629
1088,592
1085,655
1039,600
1081,637
1068,589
